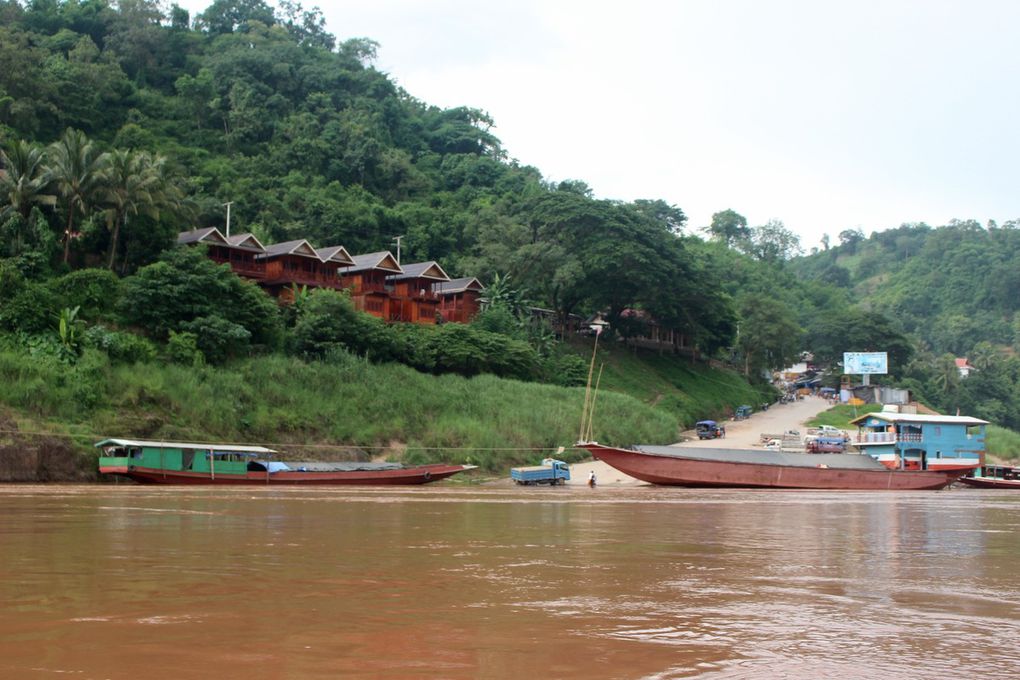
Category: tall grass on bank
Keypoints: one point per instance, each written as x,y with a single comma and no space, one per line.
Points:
298,407
1003,444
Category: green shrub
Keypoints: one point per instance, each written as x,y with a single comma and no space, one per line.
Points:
32,309
95,291
120,345
219,339
182,348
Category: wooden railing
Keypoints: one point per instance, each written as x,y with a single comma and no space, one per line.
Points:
886,437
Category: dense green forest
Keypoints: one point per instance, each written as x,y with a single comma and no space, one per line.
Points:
955,291
123,124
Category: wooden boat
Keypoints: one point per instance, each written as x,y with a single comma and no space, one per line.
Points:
994,477
154,462
702,467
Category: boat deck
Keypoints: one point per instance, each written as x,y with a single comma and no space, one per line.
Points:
847,461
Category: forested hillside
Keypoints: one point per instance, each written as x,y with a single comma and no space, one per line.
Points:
956,290
124,124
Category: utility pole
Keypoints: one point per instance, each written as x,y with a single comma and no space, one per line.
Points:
396,239
228,204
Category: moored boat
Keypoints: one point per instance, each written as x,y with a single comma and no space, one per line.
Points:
994,477
156,462
702,467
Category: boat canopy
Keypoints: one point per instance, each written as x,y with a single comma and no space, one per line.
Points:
215,448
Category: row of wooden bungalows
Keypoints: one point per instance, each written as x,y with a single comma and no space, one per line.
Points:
420,292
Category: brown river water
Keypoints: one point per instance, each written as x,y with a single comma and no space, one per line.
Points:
129,582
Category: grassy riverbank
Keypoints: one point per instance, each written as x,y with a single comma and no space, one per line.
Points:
387,410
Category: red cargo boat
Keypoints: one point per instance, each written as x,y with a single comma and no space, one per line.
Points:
679,466
152,462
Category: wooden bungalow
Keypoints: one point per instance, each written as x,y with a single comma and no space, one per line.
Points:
298,263
366,280
241,252
459,299
413,297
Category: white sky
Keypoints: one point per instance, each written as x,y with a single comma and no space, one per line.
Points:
824,115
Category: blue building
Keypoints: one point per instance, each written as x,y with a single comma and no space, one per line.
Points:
917,441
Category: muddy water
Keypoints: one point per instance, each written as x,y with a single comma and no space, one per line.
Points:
132,582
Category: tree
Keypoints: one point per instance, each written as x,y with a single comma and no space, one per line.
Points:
129,189
772,242
850,238
24,180
669,216
76,169
729,227
768,335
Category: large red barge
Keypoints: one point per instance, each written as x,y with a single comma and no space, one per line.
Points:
702,467
154,462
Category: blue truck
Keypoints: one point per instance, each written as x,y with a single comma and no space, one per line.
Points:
551,472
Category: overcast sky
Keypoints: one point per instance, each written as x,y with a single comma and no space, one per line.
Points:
824,115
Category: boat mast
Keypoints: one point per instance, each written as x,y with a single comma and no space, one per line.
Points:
586,409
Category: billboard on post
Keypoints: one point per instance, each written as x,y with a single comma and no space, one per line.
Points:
866,363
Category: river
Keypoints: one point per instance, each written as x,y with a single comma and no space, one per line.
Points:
130,582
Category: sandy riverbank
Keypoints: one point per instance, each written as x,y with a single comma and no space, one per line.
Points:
740,434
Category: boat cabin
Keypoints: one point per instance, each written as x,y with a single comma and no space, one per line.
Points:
124,456
916,441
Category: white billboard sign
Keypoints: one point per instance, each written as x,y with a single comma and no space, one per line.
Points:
866,363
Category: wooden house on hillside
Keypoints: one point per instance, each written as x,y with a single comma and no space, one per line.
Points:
296,263
413,298
366,280
459,299
240,252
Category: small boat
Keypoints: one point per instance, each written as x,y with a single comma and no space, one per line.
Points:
702,467
994,477
156,462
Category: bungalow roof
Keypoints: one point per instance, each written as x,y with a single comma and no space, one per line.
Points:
299,247
460,285
246,241
207,235
420,270
383,260
337,254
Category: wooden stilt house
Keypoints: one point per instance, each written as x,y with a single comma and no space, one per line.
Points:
241,251
297,263
413,296
366,280
459,299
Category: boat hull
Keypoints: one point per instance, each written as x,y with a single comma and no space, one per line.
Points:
677,470
423,474
991,483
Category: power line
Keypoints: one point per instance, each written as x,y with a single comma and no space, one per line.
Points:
95,437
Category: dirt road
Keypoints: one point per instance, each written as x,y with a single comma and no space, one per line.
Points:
740,434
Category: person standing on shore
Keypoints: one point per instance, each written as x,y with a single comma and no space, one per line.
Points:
591,479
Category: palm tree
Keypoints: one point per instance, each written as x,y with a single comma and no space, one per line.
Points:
138,183
24,180
77,172
131,188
